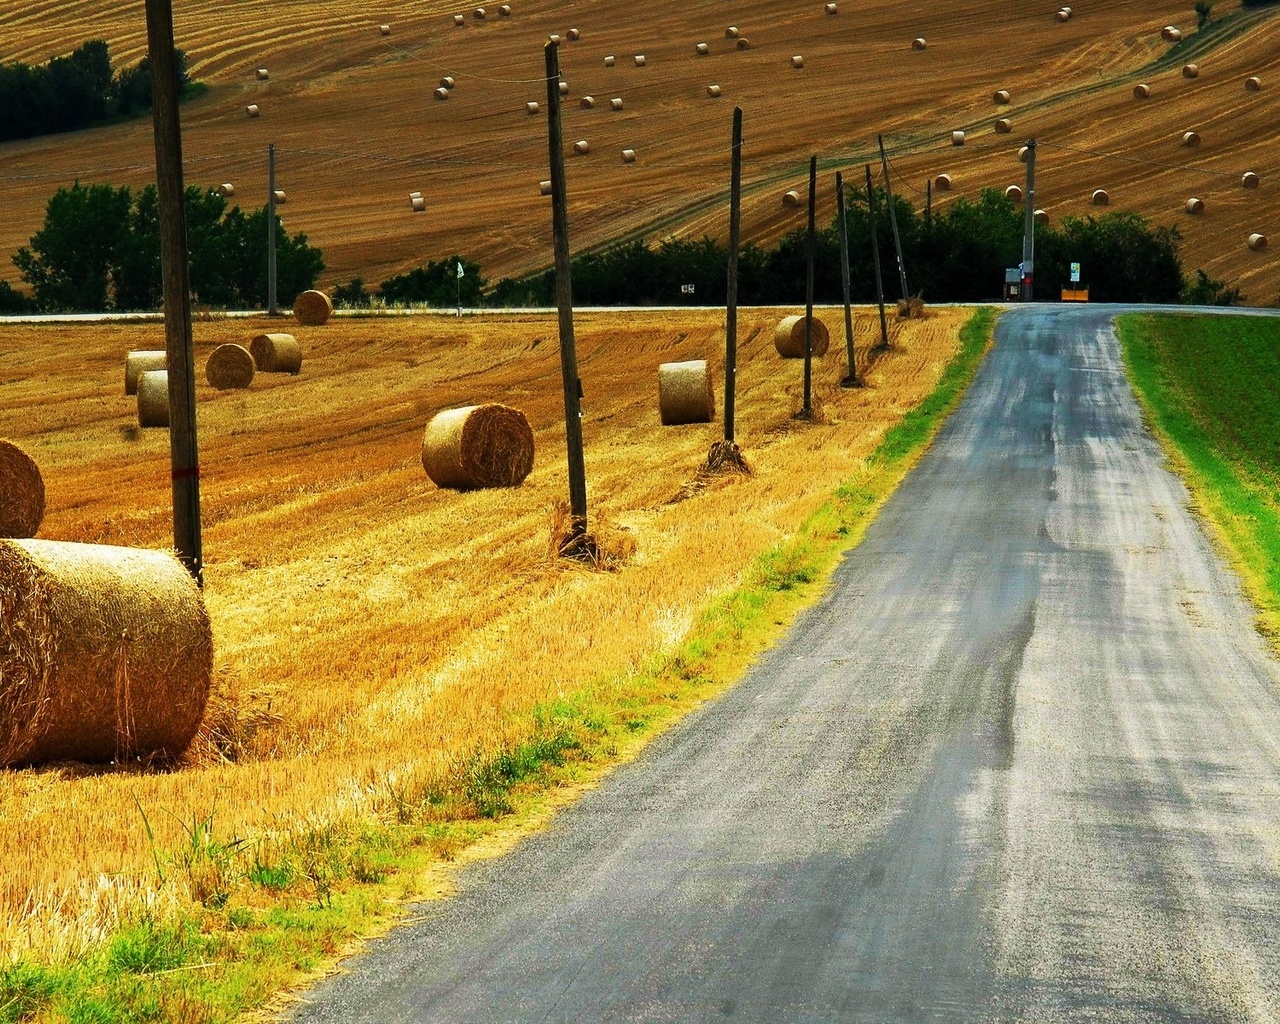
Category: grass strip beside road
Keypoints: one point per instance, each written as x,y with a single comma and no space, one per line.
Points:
1210,389
267,916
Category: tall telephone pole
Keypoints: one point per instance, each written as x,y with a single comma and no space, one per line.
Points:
1029,224
272,308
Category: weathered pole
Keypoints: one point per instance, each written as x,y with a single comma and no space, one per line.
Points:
851,379
893,219
875,254
731,293
928,203
273,307
807,411
184,455
564,303
1029,224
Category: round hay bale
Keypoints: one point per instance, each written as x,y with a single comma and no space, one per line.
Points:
582,147
832,9
1013,192
1195,206
1041,216
731,32
1249,179
1004,126
1000,97
685,394
1253,84
942,182
229,367
788,337
1191,139
504,11
554,39
478,446
415,195
252,110
957,138
447,82
615,103
702,49
418,204
797,61
713,91
1190,71
1171,34
564,88
574,35
1100,197
21,495
262,74
458,19
226,190
918,43
384,30
588,102
1257,241
791,198
639,58
531,107
479,14
609,61
1142,91
312,308
628,156
1064,14
1022,154
138,362
153,398
279,196
1067,11
106,653
743,43
276,353
442,93
544,188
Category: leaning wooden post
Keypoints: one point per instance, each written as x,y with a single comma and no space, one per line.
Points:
184,456
893,220
731,294
564,303
851,379
807,411
875,254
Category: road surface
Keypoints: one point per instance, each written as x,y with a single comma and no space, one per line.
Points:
1022,764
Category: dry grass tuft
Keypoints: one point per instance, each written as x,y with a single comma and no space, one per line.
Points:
608,549
911,309
726,457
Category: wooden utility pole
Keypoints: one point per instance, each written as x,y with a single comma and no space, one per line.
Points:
928,204
273,308
875,255
893,219
851,379
564,303
1029,225
731,294
807,411
184,455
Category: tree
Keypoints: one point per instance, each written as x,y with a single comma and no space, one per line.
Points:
12,300
1203,10
437,284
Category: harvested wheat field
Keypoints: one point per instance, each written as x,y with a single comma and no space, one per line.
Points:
371,629
351,112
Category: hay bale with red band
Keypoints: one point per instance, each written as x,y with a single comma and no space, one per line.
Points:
478,446
106,653
21,492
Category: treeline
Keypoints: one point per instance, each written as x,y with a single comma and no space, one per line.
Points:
99,249
75,92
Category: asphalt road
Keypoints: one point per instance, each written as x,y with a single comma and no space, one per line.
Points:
1022,764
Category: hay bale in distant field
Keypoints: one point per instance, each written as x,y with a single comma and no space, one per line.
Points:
1067,11
280,196
1064,14
153,398
702,49
458,19
942,182
384,30
1171,34
1190,71
1253,84
564,88
447,82
639,59
1022,153
554,39
504,11
252,110
139,361
797,61
791,197
226,190
743,43
615,103
713,91
1041,216
574,35
544,188
588,102
1195,205
1142,91
582,147
1257,241
276,353
21,494
1004,125
788,337
262,74
229,367
1249,179
478,446
918,43
531,107
731,32
1013,192
957,138
685,394
418,204
832,9
1000,97
628,156
106,653
1191,139
312,308
442,93
609,61
479,14
1101,197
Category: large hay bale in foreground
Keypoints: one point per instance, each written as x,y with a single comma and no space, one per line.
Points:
312,308
138,362
478,446
21,492
105,653
229,367
788,337
153,398
276,353
685,394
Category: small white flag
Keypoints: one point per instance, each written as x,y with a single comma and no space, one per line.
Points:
460,273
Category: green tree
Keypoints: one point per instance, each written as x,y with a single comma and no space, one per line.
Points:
1203,10
437,284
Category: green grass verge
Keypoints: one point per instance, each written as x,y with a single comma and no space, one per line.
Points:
1210,389
262,916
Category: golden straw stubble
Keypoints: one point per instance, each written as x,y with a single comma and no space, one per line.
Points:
21,492
106,653
478,446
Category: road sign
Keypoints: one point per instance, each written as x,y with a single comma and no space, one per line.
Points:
1075,273
686,289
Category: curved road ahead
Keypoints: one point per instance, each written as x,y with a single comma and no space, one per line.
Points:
1022,764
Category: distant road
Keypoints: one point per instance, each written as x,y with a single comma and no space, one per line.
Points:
1023,763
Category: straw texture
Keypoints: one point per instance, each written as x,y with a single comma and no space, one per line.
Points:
21,492
138,362
229,367
788,337
685,394
106,653
312,308
478,446
153,398
276,353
